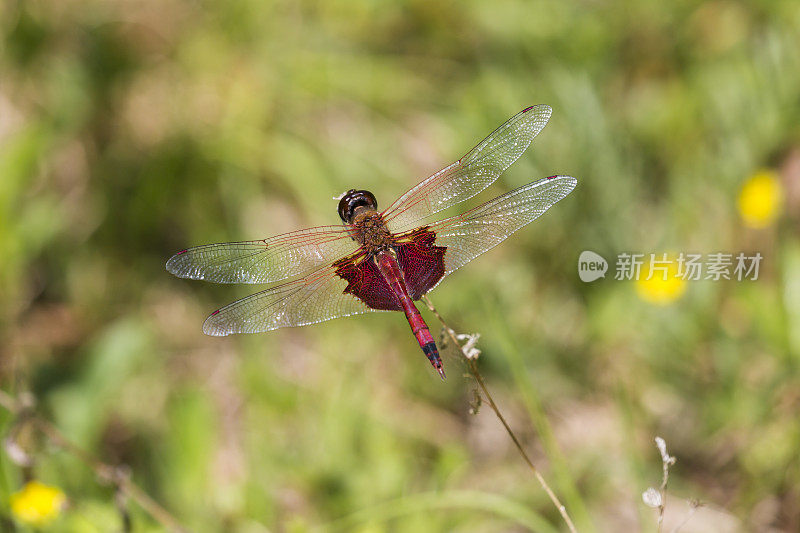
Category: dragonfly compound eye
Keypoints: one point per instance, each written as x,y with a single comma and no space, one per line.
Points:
354,199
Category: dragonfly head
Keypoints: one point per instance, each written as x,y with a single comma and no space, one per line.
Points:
353,200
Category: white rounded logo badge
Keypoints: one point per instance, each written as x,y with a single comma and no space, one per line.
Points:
591,266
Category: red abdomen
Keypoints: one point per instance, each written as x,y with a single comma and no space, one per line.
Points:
393,275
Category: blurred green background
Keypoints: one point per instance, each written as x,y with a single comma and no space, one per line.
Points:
133,129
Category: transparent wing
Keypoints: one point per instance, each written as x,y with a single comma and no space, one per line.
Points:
471,174
280,257
314,298
470,234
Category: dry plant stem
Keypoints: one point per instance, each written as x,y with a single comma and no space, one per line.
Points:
473,368
105,473
664,478
666,461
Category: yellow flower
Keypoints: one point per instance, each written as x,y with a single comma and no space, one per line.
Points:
761,199
37,504
660,282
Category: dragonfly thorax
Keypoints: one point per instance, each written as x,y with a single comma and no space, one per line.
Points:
370,230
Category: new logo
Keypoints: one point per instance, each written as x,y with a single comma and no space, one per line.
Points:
591,266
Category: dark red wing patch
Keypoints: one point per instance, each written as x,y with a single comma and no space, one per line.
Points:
364,281
421,260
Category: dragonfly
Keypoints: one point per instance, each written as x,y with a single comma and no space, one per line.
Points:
379,260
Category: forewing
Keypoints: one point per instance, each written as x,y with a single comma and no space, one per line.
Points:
264,261
470,234
314,298
471,174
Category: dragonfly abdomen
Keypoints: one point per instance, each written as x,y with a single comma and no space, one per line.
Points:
391,272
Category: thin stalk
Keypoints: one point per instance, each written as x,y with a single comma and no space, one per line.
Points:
663,490
473,368
104,472
533,404
666,461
